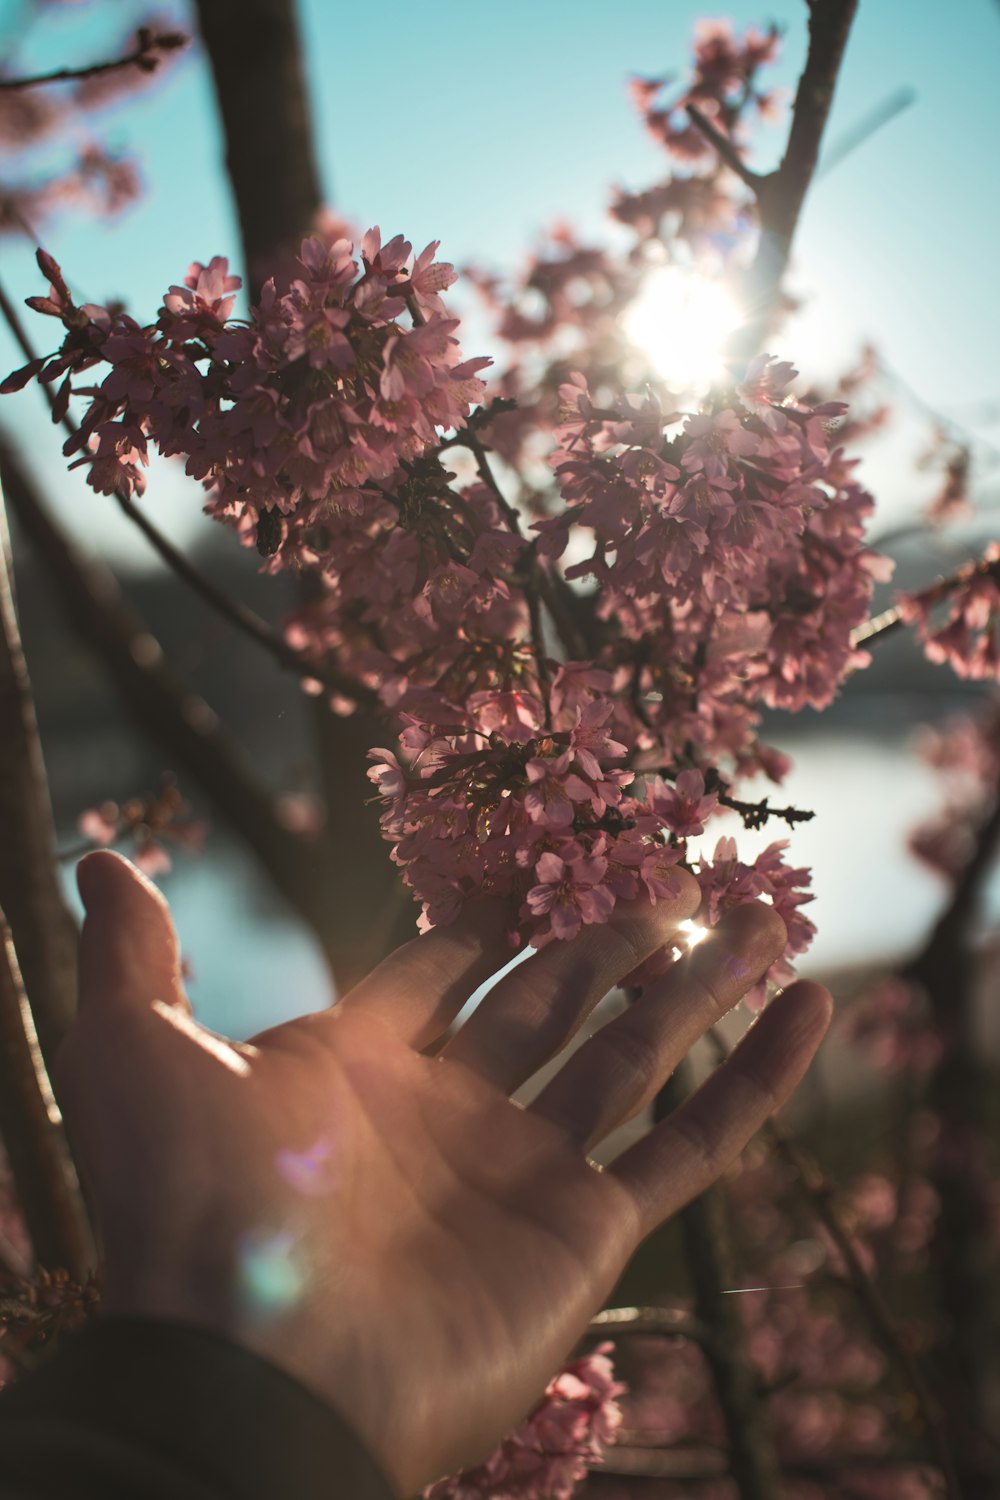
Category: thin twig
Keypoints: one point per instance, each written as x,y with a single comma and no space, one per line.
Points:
143,56
553,590
894,618
724,145
862,130
756,814
245,619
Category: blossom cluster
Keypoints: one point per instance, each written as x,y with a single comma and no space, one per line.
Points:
965,752
147,825
734,546
547,1456
723,83
727,549
967,638
725,541
324,392
551,821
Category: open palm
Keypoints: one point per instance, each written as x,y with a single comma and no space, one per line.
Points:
383,1223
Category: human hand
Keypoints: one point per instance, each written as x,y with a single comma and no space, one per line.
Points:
388,1226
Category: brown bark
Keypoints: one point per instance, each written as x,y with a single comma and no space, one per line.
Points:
256,58
711,1264
962,1251
254,50
44,1178
43,929
781,194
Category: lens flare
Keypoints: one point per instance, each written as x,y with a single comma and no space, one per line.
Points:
693,932
682,322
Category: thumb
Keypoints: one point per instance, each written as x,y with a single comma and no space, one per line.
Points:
129,954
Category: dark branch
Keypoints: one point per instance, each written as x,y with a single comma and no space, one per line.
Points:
30,893
144,56
819,1191
709,1256
781,194
756,814
723,144
44,1179
255,55
160,704
958,1094
245,619
894,618
254,49
669,1321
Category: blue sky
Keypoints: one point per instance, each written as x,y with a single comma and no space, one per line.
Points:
478,125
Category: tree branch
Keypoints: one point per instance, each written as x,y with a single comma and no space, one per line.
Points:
30,894
162,707
144,56
893,619
958,1094
244,618
781,194
551,588
254,49
708,1249
46,1183
723,144
669,1321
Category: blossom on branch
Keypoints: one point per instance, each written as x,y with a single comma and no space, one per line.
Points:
547,1456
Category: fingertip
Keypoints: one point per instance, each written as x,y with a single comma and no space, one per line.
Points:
794,1024
103,875
809,1004
128,947
757,924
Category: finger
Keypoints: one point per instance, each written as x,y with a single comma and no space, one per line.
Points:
685,1153
420,989
619,1069
531,1014
129,955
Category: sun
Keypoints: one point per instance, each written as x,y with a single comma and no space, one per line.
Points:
682,321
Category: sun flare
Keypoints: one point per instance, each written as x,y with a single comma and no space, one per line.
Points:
682,321
693,932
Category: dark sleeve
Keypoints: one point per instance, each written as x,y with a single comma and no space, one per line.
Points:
143,1410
